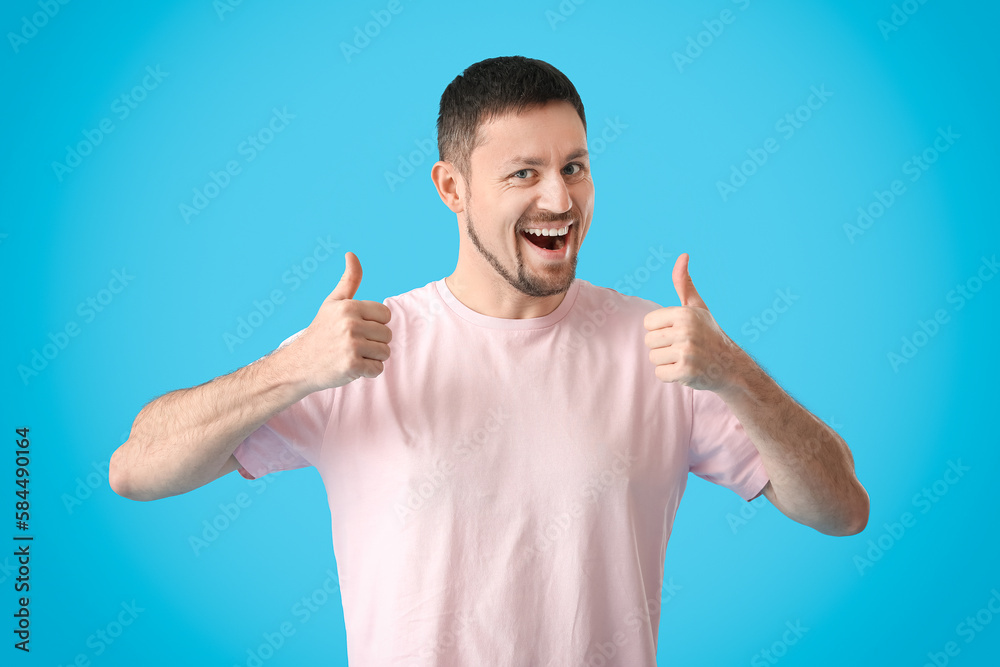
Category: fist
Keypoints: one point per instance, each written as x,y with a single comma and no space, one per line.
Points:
347,339
686,345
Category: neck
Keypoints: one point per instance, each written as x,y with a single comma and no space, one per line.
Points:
485,292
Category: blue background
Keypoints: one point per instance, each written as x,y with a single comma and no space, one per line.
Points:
683,127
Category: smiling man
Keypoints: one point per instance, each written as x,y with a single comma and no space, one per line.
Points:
502,489
518,255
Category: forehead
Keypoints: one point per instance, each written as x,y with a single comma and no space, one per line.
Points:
552,129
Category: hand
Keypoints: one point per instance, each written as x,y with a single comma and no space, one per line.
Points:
347,339
686,345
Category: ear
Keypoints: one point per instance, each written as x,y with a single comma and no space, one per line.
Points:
450,185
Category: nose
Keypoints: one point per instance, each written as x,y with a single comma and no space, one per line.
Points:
554,195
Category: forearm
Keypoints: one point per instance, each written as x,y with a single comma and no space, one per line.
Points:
181,440
810,467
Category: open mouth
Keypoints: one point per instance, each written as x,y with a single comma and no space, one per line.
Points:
547,239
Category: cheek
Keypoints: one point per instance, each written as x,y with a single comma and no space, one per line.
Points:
583,197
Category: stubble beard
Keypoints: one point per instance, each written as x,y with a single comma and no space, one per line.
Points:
524,282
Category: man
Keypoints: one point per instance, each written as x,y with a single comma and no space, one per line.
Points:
502,489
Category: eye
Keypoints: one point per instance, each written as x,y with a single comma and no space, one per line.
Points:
522,174
579,168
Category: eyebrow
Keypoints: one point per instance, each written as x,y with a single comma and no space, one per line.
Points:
539,162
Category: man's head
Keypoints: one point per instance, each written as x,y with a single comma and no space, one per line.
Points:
491,88
512,130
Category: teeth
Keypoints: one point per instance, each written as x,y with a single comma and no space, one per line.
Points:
549,232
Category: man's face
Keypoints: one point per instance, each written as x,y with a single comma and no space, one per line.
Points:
531,171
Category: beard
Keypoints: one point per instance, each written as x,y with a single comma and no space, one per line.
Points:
530,283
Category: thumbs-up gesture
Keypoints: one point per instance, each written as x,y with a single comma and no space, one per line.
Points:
347,339
686,345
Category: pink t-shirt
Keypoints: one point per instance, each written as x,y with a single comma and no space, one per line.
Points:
503,493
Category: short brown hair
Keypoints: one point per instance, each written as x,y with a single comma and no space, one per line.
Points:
492,88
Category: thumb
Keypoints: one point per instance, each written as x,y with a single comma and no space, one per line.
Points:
351,279
684,285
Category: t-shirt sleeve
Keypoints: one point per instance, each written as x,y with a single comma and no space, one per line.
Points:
720,450
293,438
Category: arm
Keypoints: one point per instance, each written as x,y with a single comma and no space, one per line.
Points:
810,467
186,438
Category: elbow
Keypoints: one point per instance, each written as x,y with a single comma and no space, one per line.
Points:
119,478
860,518
855,517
